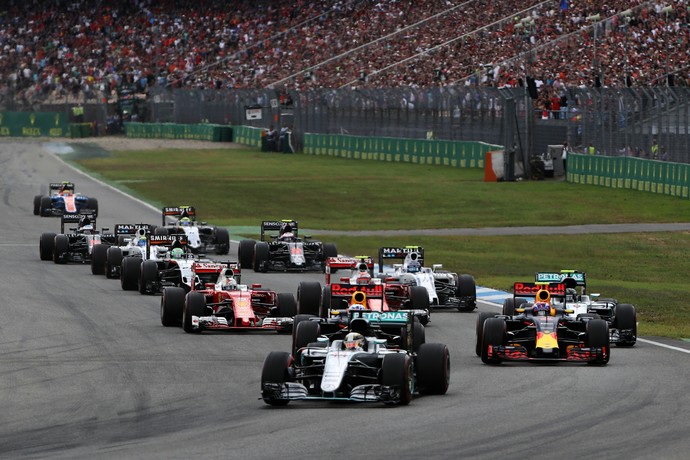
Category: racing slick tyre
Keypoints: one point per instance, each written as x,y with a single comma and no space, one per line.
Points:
308,297
222,241
194,305
113,258
467,288
597,336
60,249
98,259
261,252
46,245
418,335
396,372
37,205
481,318
433,368
245,253
129,273
161,231
276,369
419,300
304,333
287,307
494,334
626,318
46,205
325,306
329,250
121,240
172,306
148,276
92,204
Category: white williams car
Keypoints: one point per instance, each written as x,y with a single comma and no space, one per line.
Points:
446,289
131,242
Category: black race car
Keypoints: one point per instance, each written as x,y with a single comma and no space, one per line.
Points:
285,251
76,246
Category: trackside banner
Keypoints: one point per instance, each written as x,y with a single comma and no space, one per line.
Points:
458,154
630,173
34,124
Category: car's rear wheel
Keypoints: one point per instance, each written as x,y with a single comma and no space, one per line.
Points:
130,272
419,300
597,336
396,371
287,307
304,333
222,240
98,257
46,206
329,250
148,277
245,253
418,335
433,368
482,316
626,318
276,369
194,305
494,334
467,288
113,258
161,231
261,252
46,246
172,305
325,305
92,204
37,205
60,249
308,297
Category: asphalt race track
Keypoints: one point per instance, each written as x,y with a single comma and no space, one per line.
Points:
87,371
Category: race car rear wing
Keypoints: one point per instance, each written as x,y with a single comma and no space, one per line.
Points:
75,218
380,319
274,225
166,240
57,187
572,278
178,211
334,264
530,290
131,229
400,253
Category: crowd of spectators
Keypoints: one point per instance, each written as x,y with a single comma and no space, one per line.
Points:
58,48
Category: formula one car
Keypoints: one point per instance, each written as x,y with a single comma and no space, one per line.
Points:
359,363
131,242
446,289
61,199
359,288
218,302
169,263
542,330
285,251
202,238
621,317
76,246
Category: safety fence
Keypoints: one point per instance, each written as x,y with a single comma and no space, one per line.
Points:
199,132
458,154
33,124
630,173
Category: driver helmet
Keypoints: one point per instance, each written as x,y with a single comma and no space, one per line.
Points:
229,283
354,341
185,222
286,231
413,267
85,223
541,309
177,253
